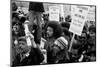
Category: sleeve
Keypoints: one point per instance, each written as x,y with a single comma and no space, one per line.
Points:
16,61
39,54
46,46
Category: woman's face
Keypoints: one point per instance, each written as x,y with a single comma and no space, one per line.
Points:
49,32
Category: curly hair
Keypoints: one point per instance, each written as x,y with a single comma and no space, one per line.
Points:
65,24
66,32
57,29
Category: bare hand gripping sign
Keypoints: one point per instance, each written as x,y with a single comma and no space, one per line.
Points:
79,14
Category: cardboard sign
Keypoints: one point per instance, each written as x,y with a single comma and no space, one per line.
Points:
91,14
78,14
54,13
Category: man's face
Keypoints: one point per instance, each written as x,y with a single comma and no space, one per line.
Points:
15,24
35,18
32,18
83,36
22,47
15,28
91,33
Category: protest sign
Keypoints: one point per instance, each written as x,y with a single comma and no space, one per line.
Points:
91,14
54,13
78,14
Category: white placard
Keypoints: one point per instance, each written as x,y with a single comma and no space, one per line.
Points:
54,13
91,14
78,14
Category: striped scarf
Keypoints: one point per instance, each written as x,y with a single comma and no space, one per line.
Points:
61,42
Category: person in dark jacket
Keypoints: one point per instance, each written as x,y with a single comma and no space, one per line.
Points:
35,17
92,43
27,55
17,31
14,6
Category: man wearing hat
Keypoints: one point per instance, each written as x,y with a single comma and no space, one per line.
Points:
35,18
27,55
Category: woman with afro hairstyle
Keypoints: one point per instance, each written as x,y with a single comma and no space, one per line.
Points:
55,44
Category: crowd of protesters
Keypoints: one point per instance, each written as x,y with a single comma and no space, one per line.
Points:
50,39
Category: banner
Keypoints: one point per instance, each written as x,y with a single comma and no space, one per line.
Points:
78,14
54,13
